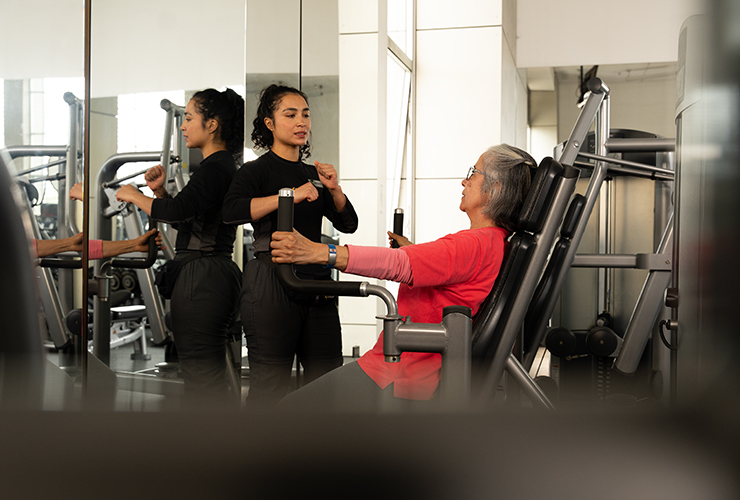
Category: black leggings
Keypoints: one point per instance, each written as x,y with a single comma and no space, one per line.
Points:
204,311
278,327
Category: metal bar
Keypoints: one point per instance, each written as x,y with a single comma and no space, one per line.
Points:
456,372
640,167
48,293
584,121
41,167
154,305
645,145
70,171
421,337
107,173
119,180
173,112
648,305
55,177
164,160
102,318
525,382
618,170
649,261
588,113
103,231
626,261
23,151
601,135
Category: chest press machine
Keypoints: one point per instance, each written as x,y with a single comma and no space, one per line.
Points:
469,348
512,321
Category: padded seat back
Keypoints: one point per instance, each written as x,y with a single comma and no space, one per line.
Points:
491,318
538,313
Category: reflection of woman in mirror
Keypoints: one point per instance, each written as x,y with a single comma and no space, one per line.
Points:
98,249
280,325
205,299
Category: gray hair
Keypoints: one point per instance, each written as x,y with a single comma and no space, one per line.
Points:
512,169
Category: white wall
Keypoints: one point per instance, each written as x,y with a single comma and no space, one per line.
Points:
470,96
148,46
362,146
41,38
137,45
584,32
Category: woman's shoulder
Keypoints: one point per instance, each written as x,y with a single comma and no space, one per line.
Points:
261,163
483,234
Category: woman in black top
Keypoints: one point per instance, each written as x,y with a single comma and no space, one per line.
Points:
278,324
204,302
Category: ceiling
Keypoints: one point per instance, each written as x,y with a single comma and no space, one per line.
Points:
543,79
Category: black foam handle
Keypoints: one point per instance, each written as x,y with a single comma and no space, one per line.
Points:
285,214
397,227
309,287
61,262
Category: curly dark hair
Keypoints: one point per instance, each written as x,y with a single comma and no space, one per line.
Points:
269,98
227,108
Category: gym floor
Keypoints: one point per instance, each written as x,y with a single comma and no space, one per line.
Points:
149,384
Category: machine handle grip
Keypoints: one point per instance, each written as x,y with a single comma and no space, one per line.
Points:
61,262
145,263
285,271
397,225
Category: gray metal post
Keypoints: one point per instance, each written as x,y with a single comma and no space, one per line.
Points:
71,167
173,115
452,339
649,304
103,231
455,379
65,207
584,121
23,151
48,293
525,382
107,173
154,305
601,135
101,312
64,291
599,91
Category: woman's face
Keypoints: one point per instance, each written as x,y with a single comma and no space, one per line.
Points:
291,122
473,199
194,129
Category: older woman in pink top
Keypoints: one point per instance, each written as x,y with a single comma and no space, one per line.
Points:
457,269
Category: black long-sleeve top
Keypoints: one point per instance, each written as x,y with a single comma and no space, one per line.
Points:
265,176
196,210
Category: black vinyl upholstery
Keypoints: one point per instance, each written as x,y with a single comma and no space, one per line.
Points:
537,316
494,313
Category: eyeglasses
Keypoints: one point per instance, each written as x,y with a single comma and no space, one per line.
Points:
471,172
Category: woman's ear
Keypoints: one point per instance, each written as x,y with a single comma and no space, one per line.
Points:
211,125
495,191
268,124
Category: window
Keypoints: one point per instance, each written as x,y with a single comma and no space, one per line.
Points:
399,109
